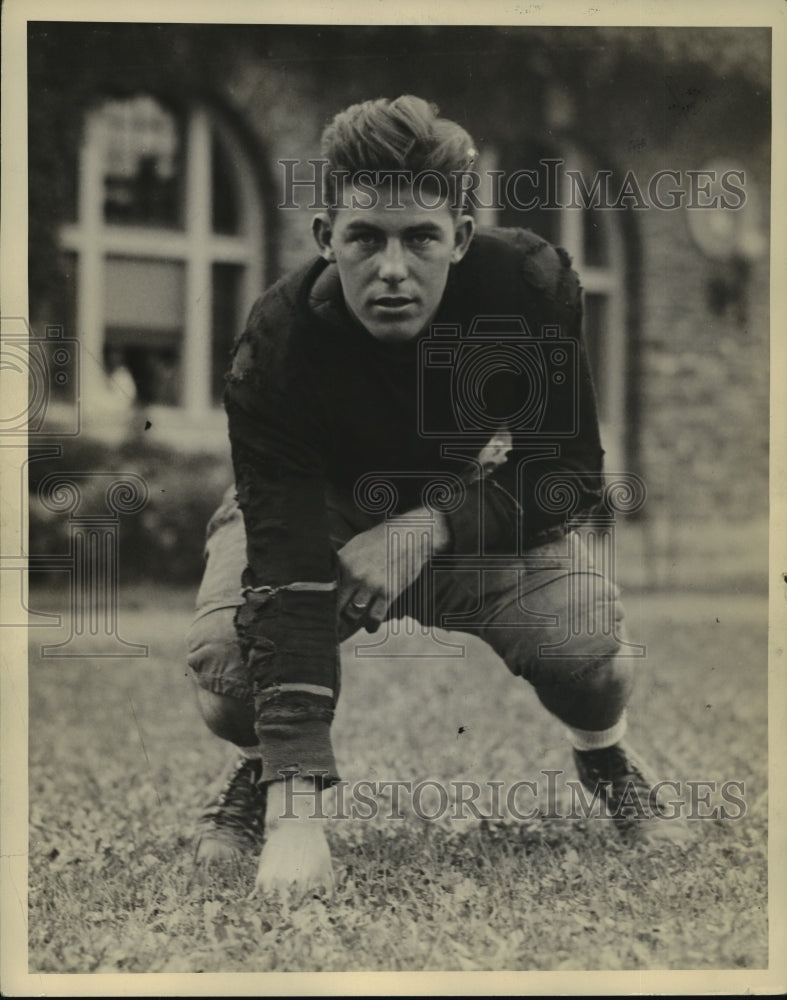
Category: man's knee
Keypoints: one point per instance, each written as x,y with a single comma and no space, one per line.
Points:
223,691
213,653
591,659
229,718
590,694
613,675
591,671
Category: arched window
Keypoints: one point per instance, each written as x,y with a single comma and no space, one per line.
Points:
167,249
594,238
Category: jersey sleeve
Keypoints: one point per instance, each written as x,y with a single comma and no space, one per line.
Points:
506,505
287,623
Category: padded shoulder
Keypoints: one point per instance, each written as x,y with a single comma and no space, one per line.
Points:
545,268
264,346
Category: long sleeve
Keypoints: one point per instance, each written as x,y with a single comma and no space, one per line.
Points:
505,507
287,624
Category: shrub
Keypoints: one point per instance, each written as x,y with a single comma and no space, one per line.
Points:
162,541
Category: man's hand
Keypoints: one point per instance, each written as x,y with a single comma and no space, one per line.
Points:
296,858
373,572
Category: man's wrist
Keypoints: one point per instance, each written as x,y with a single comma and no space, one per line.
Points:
441,538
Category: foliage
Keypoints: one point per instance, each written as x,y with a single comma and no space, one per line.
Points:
163,541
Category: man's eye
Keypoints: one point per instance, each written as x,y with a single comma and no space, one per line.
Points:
421,239
365,239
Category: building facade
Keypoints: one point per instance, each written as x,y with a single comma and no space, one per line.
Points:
159,209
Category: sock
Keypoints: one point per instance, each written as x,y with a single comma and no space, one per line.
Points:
598,739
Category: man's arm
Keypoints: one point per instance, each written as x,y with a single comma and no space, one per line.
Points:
369,583
287,624
502,505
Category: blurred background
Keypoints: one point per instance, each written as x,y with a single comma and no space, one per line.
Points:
155,221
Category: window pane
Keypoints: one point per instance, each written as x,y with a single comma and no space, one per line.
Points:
143,164
149,293
595,238
225,210
227,320
596,319
64,365
144,315
155,365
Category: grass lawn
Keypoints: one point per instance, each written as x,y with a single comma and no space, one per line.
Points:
120,760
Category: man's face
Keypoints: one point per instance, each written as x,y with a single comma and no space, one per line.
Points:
393,261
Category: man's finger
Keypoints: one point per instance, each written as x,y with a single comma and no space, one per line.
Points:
345,628
377,612
358,605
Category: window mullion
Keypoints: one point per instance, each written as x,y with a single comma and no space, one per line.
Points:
250,243
571,223
618,348
142,242
90,284
487,212
199,292
599,279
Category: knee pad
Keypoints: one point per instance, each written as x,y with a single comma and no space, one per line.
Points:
588,694
211,637
214,656
579,660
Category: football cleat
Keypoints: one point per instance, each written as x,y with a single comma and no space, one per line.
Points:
629,795
233,822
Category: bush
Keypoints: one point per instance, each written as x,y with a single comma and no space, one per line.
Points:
162,541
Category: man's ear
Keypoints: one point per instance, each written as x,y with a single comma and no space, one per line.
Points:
323,232
464,228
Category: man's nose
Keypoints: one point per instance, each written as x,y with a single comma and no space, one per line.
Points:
393,267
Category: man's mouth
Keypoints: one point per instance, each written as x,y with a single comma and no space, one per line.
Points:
393,301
